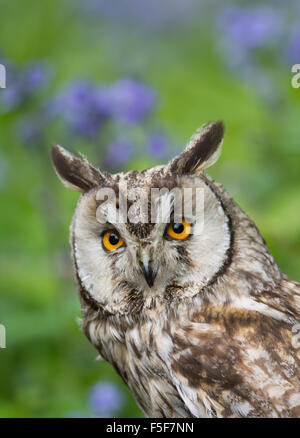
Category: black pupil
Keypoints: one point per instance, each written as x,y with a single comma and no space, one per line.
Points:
178,228
114,239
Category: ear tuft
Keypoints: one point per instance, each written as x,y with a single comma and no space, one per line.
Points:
202,151
74,171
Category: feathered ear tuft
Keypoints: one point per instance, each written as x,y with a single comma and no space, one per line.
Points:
75,171
202,151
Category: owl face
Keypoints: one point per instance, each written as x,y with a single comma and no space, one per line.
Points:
152,251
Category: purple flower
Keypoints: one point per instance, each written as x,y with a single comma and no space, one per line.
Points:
130,101
118,153
82,106
105,399
245,33
35,76
85,105
293,46
23,84
157,145
250,27
245,29
11,97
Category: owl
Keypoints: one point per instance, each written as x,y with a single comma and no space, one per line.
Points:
193,313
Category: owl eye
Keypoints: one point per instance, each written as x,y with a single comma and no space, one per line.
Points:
179,230
112,240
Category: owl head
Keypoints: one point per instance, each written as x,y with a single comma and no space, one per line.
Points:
159,234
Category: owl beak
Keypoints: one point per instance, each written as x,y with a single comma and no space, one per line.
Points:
145,256
149,273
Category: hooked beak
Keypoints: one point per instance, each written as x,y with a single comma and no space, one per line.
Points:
149,273
145,256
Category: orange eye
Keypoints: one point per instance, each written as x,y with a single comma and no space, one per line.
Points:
179,230
112,240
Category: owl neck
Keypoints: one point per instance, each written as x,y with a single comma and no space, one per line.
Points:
250,274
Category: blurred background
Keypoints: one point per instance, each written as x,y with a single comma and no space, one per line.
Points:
127,82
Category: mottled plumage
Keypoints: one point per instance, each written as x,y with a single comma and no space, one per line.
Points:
214,335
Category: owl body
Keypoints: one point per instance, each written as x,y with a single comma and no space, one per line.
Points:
202,326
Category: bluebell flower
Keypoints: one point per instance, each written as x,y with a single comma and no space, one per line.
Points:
105,399
23,84
243,30
130,101
82,107
292,50
245,33
11,98
118,153
35,76
157,145
251,27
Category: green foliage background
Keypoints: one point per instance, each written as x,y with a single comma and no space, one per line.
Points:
48,365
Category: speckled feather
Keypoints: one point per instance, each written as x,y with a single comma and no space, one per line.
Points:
215,340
